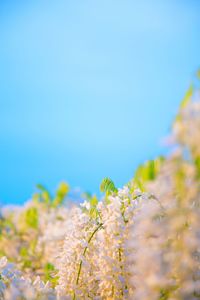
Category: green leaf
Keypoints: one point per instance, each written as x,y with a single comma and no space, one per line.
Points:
31,217
61,193
93,212
23,252
197,164
41,187
147,172
27,263
48,269
180,182
151,170
93,201
107,186
139,184
63,189
44,194
187,97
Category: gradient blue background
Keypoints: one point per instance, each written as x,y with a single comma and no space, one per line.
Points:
89,88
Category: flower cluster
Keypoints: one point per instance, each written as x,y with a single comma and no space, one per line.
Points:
139,242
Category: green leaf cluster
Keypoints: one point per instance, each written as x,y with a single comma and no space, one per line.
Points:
31,217
107,186
44,196
147,172
48,271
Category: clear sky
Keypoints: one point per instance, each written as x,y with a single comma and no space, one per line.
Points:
88,88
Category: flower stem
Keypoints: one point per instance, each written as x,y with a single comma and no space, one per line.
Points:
84,253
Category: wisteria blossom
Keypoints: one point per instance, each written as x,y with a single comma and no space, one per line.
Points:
138,242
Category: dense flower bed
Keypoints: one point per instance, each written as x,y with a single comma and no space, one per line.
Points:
140,242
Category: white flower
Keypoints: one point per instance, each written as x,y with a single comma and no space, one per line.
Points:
85,204
3,262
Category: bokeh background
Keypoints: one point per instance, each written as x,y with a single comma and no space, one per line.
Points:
89,88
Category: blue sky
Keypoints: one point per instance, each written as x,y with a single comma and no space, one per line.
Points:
89,88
